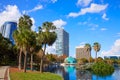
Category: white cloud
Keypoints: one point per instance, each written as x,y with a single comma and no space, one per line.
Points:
53,1
115,49
94,8
38,7
33,22
11,13
83,23
51,49
104,16
82,43
103,29
59,23
118,34
83,2
92,26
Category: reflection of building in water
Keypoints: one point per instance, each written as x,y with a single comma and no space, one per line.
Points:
61,71
83,75
116,74
66,75
69,68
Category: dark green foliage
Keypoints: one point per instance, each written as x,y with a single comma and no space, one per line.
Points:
7,56
102,69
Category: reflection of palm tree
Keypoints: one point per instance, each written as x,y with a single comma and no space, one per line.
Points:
96,47
88,49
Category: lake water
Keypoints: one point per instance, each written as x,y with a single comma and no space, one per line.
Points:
70,73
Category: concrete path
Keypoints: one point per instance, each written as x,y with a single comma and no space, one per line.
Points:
3,72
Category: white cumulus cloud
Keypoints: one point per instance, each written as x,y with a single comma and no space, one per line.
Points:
94,8
83,2
104,16
11,13
38,7
59,23
115,49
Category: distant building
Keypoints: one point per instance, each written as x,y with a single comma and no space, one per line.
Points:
82,53
112,57
62,42
7,29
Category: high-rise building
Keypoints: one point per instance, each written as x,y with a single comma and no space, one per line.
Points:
62,42
81,52
7,29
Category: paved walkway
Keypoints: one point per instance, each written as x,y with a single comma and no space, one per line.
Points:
3,71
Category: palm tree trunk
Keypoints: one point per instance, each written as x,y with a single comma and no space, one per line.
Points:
31,62
25,61
20,57
90,56
41,64
96,57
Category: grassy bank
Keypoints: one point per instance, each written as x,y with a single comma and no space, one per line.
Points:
16,74
34,76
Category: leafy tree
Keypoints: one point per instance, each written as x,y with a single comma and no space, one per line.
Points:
88,49
7,55
96,47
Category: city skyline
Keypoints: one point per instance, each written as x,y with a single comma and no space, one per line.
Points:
86,21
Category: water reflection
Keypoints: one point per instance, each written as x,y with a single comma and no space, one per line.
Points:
116,74
69,68
83,75
70,73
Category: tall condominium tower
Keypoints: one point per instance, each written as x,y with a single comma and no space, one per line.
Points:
7,29
62,42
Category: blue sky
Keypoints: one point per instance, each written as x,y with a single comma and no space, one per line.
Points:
86,21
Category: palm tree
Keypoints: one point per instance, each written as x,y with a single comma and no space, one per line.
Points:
18,42
23,37
88,49
25,22
96,47
33,47
47,36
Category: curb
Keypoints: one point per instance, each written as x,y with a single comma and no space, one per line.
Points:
7,76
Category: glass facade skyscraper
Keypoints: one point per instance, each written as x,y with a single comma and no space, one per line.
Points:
62,42
7,29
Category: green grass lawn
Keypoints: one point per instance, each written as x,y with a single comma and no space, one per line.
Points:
34,76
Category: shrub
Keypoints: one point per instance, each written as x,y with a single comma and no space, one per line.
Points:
102,69
82,61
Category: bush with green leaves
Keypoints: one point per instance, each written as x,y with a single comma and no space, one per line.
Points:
102,69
